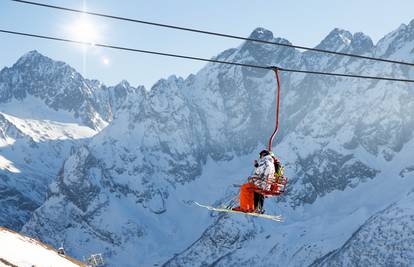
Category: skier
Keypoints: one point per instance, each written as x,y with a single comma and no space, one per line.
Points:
267,181
264,173
262,178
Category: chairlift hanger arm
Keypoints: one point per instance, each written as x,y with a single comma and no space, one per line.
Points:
276,70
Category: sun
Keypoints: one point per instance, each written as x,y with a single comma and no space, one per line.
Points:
83,30
105,61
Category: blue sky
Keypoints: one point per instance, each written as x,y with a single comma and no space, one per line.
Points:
301,22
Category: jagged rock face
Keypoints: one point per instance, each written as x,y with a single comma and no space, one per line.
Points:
46,107
220,240
381,126
397,43
337,136
31,154
386,239
60,87
13,201
236,104
111,99
338,172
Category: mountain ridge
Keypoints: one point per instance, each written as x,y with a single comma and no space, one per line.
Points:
186,136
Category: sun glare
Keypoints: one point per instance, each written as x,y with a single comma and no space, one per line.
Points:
105,61
84,31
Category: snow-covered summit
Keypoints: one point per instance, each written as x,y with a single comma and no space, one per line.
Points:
361,43
336,40
261,34
60,87
251,52
397,44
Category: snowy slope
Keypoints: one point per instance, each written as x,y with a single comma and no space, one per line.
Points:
386,239
31,154
42,130
46,108
345,142
22,251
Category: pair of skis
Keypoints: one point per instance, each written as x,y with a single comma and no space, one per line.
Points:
277,218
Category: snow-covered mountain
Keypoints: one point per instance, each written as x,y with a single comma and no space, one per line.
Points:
387,239
347,145
31,154
59,87
46,108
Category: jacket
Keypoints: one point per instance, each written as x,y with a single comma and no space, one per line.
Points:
265,169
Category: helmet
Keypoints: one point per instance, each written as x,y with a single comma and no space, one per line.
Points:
264,153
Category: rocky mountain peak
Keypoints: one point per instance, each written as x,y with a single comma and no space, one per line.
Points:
31,56
61,87
361,43
336,40
122,89
35,63
411,24
167,86
395,41
254,52
124,84
261,34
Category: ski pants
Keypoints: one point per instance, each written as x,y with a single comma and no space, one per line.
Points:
247,197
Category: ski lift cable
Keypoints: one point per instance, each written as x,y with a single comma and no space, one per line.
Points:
214,33
204,59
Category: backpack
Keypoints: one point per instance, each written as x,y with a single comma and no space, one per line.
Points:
278,168
280,179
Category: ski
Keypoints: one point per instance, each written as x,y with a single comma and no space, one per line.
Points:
277,218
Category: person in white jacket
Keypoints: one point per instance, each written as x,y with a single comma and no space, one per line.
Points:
264,172
263,177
